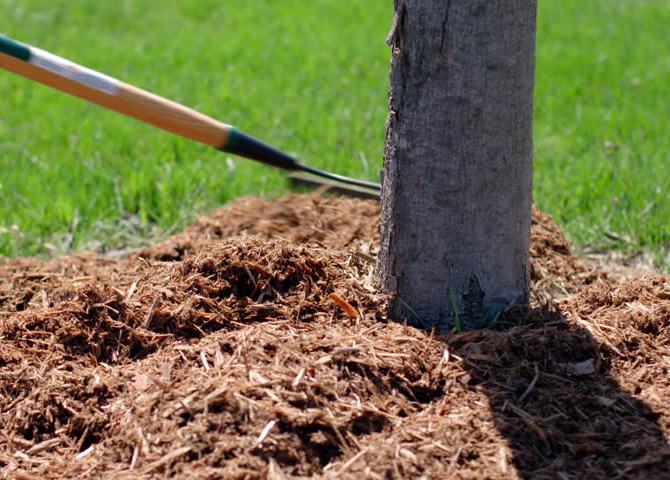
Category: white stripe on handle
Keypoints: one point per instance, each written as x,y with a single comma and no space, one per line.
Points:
77,73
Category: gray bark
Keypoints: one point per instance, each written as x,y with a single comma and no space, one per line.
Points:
456,199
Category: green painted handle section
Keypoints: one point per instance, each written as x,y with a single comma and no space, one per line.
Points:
14,48
247,146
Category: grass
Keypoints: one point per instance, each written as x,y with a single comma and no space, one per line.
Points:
602,141
311,77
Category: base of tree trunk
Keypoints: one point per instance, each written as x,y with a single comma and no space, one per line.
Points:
456,200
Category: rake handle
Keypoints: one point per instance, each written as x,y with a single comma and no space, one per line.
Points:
128,100
95,87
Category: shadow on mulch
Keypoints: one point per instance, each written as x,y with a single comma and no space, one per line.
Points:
554,399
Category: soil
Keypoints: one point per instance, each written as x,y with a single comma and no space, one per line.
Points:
256,345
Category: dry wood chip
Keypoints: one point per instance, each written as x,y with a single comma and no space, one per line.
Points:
344,305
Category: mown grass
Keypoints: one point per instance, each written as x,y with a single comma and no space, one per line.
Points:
311,77
602,140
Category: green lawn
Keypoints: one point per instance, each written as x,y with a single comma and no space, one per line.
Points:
311,77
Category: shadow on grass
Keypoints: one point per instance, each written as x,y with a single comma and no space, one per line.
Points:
553,398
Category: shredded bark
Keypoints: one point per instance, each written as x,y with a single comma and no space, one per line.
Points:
256,345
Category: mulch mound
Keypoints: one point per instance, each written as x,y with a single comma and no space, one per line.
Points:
256,345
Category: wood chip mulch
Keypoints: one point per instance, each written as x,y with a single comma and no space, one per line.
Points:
256,345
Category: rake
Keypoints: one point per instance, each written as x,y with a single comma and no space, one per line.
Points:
95,87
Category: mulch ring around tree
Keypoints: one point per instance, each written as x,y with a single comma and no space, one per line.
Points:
256,345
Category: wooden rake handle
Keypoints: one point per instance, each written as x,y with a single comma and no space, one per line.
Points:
94,87
108,92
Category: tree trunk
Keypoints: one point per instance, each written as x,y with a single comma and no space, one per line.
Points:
456,199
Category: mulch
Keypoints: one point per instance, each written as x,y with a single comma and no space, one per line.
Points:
255,344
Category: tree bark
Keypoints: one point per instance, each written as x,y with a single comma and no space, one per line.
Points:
456,197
